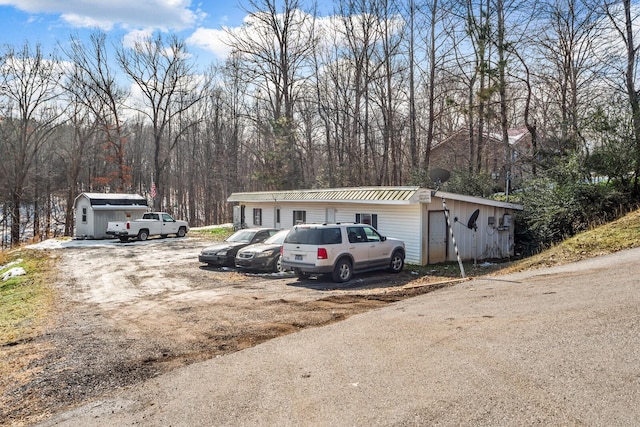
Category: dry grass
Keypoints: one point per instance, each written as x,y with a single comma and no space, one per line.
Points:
24,300
615,236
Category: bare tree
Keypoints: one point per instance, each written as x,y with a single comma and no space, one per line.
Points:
624,21
511,26
390,85
274,48
169,87
431,80
359,24
93,82
429,20
568,46
72,151
28,86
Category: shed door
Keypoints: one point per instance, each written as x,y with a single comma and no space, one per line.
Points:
438,237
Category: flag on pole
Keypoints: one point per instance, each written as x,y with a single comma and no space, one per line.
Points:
153,190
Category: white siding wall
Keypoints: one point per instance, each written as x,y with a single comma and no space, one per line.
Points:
84,229
491,241
399,221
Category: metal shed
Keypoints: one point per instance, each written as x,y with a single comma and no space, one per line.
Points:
94,210
413,214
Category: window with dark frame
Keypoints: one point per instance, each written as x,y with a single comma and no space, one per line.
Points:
367,218
257,216
84,215
299,217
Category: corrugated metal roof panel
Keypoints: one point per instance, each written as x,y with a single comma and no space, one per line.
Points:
385,194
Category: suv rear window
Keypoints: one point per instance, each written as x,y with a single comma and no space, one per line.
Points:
314,236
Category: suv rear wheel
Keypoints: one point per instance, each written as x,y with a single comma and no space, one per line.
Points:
343,271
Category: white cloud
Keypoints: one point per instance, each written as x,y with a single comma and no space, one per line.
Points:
211,40
86,22
159,14
130,39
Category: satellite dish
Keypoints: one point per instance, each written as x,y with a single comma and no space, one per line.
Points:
471,224
439,175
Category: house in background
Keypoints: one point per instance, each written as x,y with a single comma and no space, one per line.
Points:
94,210
453,153
412,214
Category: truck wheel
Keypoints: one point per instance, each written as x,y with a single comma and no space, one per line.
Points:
181,232
397,262
142,235
342,272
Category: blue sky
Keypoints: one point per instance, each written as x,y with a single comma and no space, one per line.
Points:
49,22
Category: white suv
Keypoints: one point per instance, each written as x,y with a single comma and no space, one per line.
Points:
340,250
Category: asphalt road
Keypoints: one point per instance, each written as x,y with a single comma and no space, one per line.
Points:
557,346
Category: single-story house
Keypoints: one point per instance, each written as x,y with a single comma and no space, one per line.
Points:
94,210
413,214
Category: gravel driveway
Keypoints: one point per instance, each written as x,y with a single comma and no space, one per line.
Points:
556,346
125,313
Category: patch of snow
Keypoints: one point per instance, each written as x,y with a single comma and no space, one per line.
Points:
14,272
211,227
12,263
75,243
63,243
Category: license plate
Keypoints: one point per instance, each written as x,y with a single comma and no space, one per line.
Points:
298,257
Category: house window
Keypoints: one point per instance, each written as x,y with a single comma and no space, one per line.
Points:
257,216
299,217
84,215
367,218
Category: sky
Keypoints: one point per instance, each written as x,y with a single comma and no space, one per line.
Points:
49,22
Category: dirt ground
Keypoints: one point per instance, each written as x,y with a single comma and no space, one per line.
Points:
127,312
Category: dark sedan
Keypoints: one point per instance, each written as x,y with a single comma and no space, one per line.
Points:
224,253
263,256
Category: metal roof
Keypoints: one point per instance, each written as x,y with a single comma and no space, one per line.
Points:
392,195
114,199
379,195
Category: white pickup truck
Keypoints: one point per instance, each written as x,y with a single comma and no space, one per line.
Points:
151,224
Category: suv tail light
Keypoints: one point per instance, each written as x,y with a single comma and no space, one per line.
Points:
128,225
322,253
281,250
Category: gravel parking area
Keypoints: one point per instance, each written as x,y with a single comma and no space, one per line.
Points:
127,312
551,347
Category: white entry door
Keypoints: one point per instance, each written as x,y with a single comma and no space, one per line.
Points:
438,237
